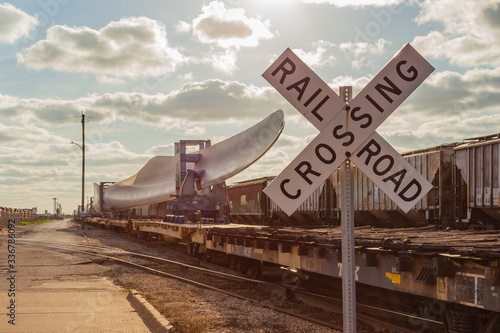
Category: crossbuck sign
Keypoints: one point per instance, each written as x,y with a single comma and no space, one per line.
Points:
348,130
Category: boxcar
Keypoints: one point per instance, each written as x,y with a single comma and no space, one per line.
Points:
478,161
466,188
249,204
374,207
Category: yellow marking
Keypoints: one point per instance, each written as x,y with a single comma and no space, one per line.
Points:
395,278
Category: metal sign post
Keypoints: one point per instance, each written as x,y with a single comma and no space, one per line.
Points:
347,220
348,258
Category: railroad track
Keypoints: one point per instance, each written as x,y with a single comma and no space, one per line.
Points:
379,318
369,315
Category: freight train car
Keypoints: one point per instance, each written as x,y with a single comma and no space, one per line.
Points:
478,161
374,207
464,194
447,275
250,205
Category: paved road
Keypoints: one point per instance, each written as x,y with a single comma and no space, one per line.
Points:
56,292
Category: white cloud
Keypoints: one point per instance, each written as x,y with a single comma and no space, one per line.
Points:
198,130
290,141
104,79
361,53
356,83
438,132
358,55
210,101
46,148
358,3
187,77
459,128
228,28
447,107
224,62
319,56
131,47
161,150
471,31
183,26
35,164
448,93
14,23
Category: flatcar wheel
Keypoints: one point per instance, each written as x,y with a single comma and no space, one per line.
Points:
255,269
233,262
242,265
205,257
196,250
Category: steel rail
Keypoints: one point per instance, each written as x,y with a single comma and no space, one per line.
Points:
335,303
146,256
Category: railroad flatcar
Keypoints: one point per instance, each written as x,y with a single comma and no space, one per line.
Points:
449,276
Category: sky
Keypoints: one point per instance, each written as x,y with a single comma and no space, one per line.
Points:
147,74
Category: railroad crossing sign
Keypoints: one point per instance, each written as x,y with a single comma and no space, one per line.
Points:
348,130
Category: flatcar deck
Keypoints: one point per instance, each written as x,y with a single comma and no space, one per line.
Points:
460,267
453,266
475,243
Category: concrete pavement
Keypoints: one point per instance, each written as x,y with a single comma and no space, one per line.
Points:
46,291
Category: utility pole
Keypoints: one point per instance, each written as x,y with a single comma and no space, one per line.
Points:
82,147
83,170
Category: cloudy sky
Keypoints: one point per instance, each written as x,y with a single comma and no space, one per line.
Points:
153,72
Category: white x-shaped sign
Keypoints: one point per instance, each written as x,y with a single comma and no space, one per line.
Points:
348,130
